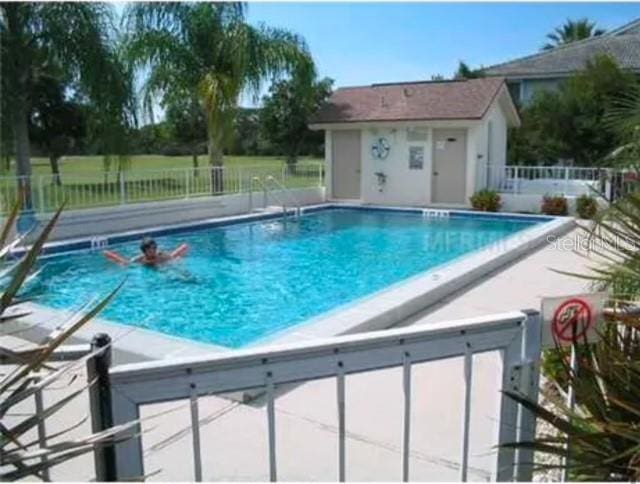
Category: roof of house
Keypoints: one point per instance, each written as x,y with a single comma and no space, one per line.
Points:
632,27
622,44
411,101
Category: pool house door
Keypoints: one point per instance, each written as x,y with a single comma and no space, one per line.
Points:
346,156
448,177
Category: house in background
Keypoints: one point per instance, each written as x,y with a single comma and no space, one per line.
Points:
546,69
416,143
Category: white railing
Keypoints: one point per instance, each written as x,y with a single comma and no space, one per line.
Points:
112,188
516,336
547,180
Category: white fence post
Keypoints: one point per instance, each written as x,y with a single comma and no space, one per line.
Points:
508,429
129,460
41,195
566,180
530,385
123,195
186,182
516,179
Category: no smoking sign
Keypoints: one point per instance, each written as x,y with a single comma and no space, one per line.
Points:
571,318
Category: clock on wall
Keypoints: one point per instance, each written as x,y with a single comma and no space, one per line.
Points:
380,148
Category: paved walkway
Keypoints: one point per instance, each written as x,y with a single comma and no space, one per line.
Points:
234,435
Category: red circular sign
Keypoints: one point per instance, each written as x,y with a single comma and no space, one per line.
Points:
571,320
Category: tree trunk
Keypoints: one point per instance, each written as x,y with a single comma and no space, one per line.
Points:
55,170
292,161
195,161
18,100
23,158
216,160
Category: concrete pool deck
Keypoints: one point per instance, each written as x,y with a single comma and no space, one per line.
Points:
234,435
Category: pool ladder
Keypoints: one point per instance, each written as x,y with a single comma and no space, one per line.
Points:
278,190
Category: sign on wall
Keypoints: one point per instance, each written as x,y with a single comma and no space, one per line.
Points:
416,157
570,319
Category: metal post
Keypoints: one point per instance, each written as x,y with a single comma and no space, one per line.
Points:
123,194
516,180
42,432
508,429
570,403
529,386
186,182
239,180
41,195
100,404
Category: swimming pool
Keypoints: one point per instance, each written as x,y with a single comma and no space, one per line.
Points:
244,282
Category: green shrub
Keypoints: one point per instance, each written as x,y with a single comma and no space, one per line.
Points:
586,206
554,205
486,201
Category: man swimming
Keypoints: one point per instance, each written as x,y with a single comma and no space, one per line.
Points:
150,256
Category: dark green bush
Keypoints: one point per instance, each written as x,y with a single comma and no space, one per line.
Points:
486,200
586,206
554,205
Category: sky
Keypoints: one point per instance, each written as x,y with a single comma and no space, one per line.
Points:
357,43
365,43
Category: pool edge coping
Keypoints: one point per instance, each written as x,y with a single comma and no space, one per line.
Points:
380,310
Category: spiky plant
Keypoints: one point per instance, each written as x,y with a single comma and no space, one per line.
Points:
603,430
26,372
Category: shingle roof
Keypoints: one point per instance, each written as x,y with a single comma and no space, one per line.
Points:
413,101
569,58
632,27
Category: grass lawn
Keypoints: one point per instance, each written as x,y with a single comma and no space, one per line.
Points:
151,178
86,165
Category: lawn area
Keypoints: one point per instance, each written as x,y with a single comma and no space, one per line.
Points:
88,165
153,178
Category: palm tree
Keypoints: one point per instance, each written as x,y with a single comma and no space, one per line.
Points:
571,31
466,72
70,40
207,50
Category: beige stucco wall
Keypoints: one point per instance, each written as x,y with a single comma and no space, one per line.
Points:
490,145
405,186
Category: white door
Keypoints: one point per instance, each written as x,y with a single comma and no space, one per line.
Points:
346,156
449,180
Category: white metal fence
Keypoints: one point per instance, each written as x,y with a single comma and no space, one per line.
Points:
548,180
43,194
515,335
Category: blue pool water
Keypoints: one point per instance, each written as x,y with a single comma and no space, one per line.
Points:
240,283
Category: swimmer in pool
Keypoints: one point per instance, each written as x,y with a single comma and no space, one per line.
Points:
150,256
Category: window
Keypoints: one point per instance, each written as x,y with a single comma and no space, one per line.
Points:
416,157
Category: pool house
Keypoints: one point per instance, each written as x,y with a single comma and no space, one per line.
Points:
415,143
